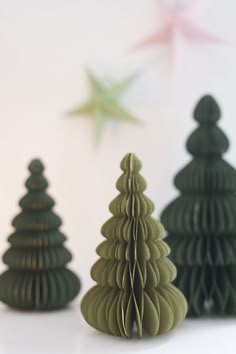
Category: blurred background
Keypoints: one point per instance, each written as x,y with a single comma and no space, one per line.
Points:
45,47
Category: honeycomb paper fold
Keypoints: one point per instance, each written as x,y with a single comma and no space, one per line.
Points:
201,222
133,273
37,277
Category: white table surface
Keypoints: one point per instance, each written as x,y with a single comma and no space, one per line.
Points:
66,332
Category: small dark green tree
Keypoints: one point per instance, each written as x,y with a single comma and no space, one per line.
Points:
133,274
37,278
201,222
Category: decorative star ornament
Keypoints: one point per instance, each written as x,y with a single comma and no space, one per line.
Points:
181,25
104,103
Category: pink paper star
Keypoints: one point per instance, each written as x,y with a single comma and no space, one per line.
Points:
181,26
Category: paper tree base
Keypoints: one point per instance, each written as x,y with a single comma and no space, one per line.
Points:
217,283
41,290
117,312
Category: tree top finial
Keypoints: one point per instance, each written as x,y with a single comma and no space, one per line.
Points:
36,166
207,110
131,163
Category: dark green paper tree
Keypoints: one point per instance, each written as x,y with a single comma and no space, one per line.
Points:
133,273
37,277
201,222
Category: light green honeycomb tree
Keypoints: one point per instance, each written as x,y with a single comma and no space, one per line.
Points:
133,273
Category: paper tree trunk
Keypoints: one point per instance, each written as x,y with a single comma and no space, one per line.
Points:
37,277
201,222
133,273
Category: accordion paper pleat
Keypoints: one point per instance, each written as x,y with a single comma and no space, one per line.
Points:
133,273
37,277
201,222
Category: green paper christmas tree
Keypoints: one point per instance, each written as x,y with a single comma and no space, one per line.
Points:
133,273
201,222
37,277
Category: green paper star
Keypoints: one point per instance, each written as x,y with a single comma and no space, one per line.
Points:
104,104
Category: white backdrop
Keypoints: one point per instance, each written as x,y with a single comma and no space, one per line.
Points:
44,47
